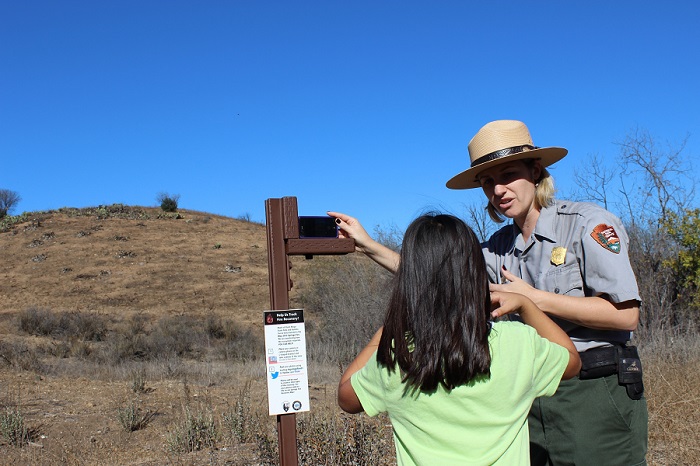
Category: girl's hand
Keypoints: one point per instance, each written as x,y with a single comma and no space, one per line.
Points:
505,303
350,227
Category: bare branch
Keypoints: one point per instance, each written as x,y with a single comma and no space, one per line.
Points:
593,180
479,221
667,180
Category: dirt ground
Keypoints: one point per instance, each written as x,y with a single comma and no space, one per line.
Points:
120,261
76,421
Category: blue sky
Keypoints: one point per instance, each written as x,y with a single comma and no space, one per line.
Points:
363,107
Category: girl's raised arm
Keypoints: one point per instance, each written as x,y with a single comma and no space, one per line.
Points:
508,303
347,399
350,227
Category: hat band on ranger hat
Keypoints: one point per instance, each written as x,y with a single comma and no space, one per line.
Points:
502,153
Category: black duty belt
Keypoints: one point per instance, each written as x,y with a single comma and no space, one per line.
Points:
608,360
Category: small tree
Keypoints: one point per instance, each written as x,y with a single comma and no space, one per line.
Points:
168,202
683,228
8,200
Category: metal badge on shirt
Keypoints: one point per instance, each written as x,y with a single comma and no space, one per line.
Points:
558,255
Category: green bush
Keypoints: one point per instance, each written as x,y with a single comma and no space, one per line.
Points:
132,418
9,221
169,205
13,428
349,294
195,431
168,202
683,228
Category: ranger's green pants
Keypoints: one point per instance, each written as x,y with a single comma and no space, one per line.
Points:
588,422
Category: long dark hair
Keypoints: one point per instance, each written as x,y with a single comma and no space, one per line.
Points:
437,323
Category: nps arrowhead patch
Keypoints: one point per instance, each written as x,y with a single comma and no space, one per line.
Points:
606,236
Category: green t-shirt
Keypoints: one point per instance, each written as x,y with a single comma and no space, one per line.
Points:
482,422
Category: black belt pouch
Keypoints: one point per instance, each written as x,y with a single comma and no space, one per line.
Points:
629,371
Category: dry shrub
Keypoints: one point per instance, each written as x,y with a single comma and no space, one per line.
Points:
138,380
195,430
329,438
137,324
178,337
120,348
183,336
35,321
324,436
349,294
132,417
232,342
20,356
67,348
242,422
43,322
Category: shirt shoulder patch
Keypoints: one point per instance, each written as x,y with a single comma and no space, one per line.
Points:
606,236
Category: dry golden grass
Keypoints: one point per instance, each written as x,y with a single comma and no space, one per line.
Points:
672,384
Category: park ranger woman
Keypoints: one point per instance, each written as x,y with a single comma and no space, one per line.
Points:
572,260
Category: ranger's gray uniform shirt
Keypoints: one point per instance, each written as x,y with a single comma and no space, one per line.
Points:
576,249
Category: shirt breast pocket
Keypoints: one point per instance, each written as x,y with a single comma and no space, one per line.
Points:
564,279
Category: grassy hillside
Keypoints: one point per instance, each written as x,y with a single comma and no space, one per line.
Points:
121,260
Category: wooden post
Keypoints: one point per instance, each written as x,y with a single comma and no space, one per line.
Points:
282,225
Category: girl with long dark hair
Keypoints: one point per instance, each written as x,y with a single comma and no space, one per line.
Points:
456,385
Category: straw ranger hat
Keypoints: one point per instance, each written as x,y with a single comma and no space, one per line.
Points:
499,142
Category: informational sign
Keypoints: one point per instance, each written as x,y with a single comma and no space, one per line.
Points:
285,356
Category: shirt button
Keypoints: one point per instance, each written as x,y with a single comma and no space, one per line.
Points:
556,290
